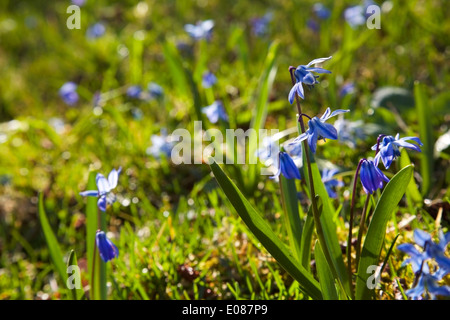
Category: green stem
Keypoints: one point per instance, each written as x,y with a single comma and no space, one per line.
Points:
350,231
361,230
93,286
316,215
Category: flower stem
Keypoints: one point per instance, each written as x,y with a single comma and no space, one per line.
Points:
93,286
350,231
361,231
316,214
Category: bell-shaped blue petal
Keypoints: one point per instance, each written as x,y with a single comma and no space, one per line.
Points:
102,184
106,248
287,167
90,193
371,177
113,178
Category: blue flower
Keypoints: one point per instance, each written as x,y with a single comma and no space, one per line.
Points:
215,112
389,148
268,153
330,182
104,187
287,167
260,25
106,248
96,31
303,74
321,11
371,177
201,30
208,80
155,90
318,129
427,282
313,25
161,145
346,89
68,93
350,131
134,92
355,16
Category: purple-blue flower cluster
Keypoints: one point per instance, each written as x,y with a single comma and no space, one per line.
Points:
426,284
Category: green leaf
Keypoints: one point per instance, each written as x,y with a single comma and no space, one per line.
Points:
307,233
77,294
328,224
426,136
325,275
412,191
292,220
265,235
176,68
52,243
373,242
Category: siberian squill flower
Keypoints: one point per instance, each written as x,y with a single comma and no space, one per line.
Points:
215,112
161,145
78,2
318,129
106,248
330,182
346,89
389,151
104,187
68,92
287,167
134,91
304,74
371,177
427,282
208,80
201,30
268,153
357,15
96,30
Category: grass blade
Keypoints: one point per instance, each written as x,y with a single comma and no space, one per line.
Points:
325,275
307,233
373,243
426,136
265,235
328,224
52,243
77,294
91,230
292,220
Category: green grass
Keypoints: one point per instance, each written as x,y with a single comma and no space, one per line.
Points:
171,215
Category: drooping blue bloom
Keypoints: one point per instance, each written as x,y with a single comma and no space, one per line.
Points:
104,187
318,129
208,80
321,11
201,30
427,282
261,24
389,151
330,182
215,112
68,92
96,30
134,92
106,248
304,74
161,145
371,177
155,90
287,167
